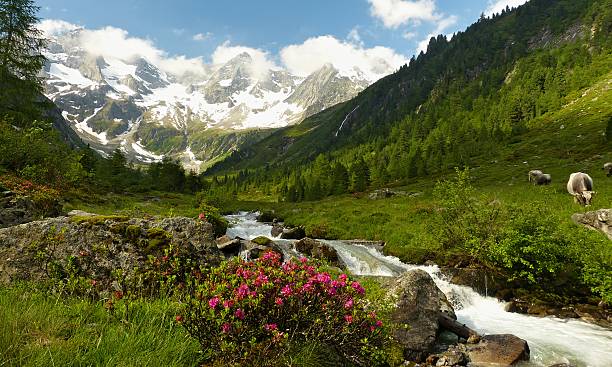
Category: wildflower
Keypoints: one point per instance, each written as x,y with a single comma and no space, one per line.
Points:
286,291
342,277
242,291
323,278
228,303
358,288
239,313
303,260
213,302
202,216
379,323
226,327
118,295
308,287
348,319
278,301
271,327
348,304
261,280
179,318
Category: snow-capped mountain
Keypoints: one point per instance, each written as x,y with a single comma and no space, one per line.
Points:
136,107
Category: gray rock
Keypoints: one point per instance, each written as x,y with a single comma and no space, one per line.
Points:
418,302
295,233
16,209
319,250
498,350
600,220
277,230
108,242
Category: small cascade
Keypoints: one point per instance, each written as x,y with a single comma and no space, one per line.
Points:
551,340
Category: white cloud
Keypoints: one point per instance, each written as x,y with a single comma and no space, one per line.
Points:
116,43
409,35
300,59
499,5
201,36
53,27
262,61
305,58
355,37
395,13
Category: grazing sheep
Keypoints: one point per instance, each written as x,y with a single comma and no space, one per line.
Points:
608,168
533,174
543,179
581,186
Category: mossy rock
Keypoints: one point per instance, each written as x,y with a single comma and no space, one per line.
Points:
133,232
262,241
157,240
118,228
98,219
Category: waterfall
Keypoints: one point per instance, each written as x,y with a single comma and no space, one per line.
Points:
551,340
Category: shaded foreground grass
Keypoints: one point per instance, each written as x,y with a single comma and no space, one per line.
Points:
40,330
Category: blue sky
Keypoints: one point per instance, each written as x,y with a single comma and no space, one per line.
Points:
198,28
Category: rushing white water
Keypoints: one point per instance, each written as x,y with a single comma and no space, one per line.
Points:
551,340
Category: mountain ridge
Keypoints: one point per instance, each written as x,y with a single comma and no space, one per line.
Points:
134,106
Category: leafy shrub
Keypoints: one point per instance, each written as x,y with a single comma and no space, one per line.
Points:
243,312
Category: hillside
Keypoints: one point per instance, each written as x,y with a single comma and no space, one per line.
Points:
496,84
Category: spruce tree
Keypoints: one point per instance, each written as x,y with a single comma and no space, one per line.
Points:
21,59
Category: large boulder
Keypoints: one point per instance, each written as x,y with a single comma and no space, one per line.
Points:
418,305
255,248
600,220
18,209
498,350
295,233
319,250
106,242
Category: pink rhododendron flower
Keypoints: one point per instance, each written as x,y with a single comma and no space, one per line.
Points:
303,260
348,319
379,323
342,277
348,304
226,327
308,287
286,291
213,302
242,291
323,278
358,288
228,303
202,216
278,301
239,313
270,327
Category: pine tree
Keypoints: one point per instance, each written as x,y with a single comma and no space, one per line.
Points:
21,59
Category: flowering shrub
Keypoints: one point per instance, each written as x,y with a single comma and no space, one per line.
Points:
254,311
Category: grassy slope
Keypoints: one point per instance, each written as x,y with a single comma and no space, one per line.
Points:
38,330
406,223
